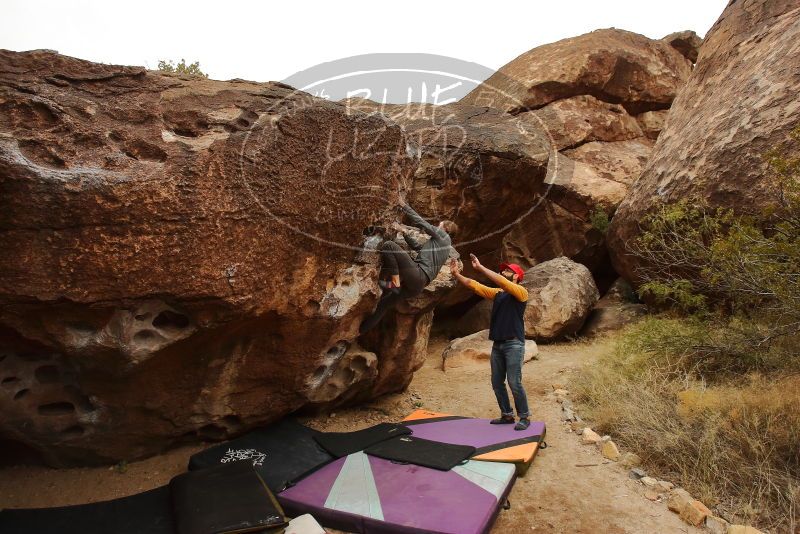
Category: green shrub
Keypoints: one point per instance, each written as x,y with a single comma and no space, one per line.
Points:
714,263
181,68
732,444
708,393
599,220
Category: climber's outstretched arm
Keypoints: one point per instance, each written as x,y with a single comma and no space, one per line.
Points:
419,222
478,288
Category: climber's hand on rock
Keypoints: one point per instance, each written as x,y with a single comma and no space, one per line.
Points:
455,268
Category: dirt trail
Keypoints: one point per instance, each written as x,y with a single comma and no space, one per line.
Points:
569,489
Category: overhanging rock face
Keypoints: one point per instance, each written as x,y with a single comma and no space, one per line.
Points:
533,161
180,255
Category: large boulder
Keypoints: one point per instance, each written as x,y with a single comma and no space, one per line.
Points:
181,257
740,101
481,168
531,186
560,295
612,65
582,119
602,150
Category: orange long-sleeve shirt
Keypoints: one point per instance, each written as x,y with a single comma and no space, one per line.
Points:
515,290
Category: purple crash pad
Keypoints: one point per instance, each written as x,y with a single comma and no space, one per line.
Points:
361,493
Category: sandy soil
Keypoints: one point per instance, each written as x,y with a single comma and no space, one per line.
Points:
569,489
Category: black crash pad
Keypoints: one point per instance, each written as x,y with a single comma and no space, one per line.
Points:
281,453
225,498
144,513
341,444
424,452
229,498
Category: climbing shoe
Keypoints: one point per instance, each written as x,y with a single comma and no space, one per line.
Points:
523,424
374,230
389,287
504,420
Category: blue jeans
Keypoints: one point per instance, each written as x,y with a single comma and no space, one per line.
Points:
507,357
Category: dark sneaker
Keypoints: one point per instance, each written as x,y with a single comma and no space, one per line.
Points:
387,301
374,230
388,287
505,420
523,424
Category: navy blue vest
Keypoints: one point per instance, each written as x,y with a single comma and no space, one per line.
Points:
508,318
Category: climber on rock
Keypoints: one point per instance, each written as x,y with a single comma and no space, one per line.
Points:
404,277
507,332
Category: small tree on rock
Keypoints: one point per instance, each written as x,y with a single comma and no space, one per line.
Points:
181,68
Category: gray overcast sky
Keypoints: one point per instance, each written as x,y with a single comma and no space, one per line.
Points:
271,40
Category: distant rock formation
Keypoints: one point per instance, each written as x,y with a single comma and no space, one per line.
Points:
615,66
740,101
686,42
602,98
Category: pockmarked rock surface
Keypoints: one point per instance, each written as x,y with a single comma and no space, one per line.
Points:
740,101
477,348
182,257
